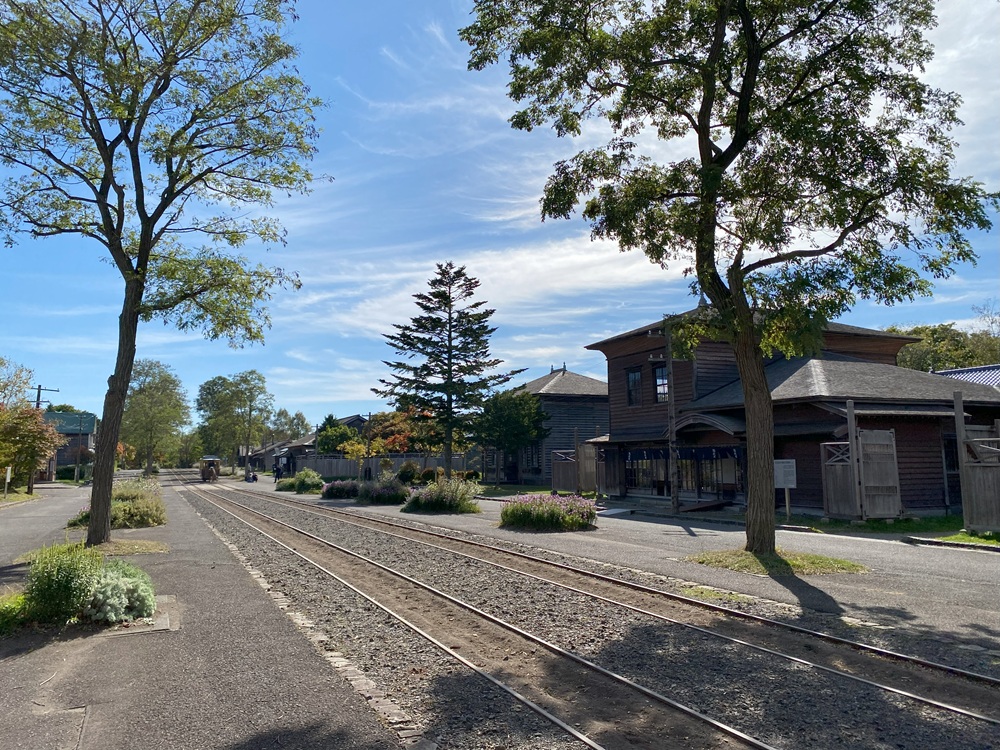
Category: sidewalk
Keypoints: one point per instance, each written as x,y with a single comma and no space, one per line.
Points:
224,668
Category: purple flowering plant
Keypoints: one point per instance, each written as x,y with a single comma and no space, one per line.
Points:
549,512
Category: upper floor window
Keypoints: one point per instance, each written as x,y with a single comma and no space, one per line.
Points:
633,387
660,379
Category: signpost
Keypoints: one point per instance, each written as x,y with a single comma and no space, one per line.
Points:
6,482
784,478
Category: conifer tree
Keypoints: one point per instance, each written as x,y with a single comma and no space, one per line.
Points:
447,370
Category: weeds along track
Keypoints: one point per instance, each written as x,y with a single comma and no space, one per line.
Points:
785,685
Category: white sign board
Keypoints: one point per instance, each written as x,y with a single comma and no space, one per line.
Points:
784,474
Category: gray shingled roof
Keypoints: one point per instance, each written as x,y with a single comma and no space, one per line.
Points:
565,383
837,377
984,374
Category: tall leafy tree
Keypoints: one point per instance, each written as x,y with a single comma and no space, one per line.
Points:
287,426
26,440
143,125
785,153
156,409
447,369
235,411
330,439
15,380
509,421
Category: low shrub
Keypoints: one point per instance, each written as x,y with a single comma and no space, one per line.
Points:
408,472
123,593
430,475
472,475
548,512
386,490
69,581
445,496
13,612
138,514
308,482
60,581
285,485
135,504
129,490
340,489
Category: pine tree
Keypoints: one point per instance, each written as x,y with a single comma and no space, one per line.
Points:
448,371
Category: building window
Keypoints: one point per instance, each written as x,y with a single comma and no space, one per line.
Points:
633,385
660,379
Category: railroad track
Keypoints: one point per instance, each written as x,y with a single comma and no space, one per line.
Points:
971,700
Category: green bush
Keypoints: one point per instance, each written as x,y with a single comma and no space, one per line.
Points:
472,475
13,612
548,512
129,490
430,475
307,482
445,496
60,581
386,490
408,472
340,489
138,514
123,593
285,485
135,504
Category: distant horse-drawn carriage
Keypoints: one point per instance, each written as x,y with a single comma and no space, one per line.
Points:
210,466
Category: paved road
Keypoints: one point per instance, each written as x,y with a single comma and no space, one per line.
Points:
36,523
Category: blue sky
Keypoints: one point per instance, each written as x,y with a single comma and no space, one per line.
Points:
426,169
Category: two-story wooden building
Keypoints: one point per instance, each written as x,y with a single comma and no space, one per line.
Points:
854,379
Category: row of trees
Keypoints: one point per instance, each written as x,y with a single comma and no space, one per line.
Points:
26,439
945,347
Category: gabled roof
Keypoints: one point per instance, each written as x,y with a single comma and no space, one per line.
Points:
984,374
565,383
837,377
657,328
71,422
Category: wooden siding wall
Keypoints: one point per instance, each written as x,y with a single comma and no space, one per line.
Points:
808,471
570,417
715,366
870,348
647,420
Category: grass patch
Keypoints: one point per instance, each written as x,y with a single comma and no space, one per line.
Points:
548,513
781,563
986,538
716,596
122,547
923,525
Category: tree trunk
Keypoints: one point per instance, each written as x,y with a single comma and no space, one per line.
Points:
99,529
449,435
760,444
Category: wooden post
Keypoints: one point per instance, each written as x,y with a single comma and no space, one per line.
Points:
855,447
672,465
963,481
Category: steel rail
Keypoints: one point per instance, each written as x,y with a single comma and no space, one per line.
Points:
304,507
658,697
690,601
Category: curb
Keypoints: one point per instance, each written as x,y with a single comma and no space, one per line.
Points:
921,541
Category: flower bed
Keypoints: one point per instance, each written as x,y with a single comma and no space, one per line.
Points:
548,512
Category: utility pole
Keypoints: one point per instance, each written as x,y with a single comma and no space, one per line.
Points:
38,405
